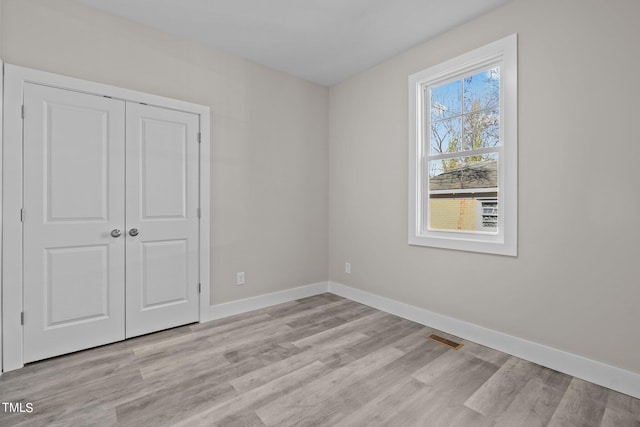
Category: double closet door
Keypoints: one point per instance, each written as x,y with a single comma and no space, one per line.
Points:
110,231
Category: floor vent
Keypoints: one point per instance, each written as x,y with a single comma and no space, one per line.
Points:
448,343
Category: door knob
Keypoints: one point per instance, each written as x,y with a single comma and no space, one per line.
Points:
133,232
115,233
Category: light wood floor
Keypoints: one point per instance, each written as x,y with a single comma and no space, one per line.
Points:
322,360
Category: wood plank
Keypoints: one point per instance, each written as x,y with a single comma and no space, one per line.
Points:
255,397
583,404
534,405
70,416
292,407
379,337
432,396
450,379
485,353
274,370
385,407
329,334
352,398
498,392
617,418
166,406
623,402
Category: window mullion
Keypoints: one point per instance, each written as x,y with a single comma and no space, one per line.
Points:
463,153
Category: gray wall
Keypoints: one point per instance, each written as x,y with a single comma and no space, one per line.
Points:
575,284
269,133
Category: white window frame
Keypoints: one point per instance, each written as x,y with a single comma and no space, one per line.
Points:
502,52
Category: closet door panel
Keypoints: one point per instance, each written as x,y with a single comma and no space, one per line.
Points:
162,223
73,198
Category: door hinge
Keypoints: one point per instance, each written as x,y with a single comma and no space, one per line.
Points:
22,318
22,215
199,288
199,137
198,212
22,111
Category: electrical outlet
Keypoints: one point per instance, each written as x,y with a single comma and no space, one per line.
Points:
240,278
347,267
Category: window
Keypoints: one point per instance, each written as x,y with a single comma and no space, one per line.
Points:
463,152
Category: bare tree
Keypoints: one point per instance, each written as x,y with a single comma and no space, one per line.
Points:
476,126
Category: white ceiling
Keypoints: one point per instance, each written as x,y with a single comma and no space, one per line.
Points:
324,41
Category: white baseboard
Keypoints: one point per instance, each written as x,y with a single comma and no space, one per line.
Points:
618,379
232,308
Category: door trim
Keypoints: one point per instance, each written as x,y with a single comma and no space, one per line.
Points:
12,302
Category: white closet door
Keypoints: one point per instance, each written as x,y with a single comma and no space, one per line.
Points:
73,199
161,218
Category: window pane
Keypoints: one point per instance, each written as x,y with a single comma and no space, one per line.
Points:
463,194
446,136
481,130
460,173
446,100
482,90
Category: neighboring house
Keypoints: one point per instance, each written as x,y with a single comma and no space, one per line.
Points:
465,198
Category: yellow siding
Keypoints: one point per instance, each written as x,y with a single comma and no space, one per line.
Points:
453,214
